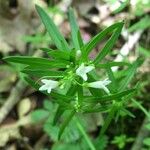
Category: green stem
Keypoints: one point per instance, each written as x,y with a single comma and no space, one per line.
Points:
142,108
86,137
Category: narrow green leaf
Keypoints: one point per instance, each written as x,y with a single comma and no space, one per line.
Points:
96,39
112,64
109,45
59,54
128,113
89,109
56,36
46,49
114,84
42,73
92,99
122,6
60,111
75,33
144,51
108,119
142,24
131,71
36,62
65,123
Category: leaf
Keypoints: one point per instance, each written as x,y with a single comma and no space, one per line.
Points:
42,73
75,32
60,111
112,64
144,51
108,119
96,39
146,141
39,115
122,6
131,71
114,84
92,99
58,114
56,36
91,109
35,62
59,54
109,45
47,104
65,123
142,24
46,49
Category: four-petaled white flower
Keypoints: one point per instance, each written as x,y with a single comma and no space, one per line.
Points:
48,85
100,85
83,70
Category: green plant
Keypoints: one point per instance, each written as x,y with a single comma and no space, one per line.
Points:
72,72
121,141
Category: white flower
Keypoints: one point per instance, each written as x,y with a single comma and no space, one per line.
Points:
100,85
48,85
83,70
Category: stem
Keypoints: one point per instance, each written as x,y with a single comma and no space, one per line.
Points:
81,129
142,108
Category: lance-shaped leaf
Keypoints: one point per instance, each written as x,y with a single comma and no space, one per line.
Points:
99,37
109,45
65,123
107,98
43,73
130,74
112,64
60,110
108,119
56,36
75,32
35,62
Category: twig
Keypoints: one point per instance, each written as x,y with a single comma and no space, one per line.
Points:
12,100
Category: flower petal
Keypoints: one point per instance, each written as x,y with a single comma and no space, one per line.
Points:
89,68
48,85
43,88
84,76
49,90
100,85
83,70
44,81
